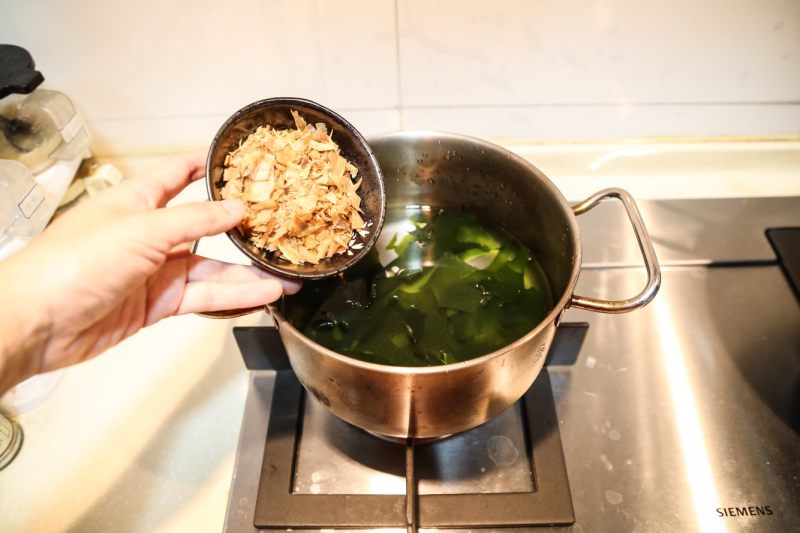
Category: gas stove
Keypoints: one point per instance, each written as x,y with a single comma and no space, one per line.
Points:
683,416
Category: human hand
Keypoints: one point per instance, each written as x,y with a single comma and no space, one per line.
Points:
115,264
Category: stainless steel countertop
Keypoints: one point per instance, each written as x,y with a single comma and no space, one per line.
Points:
687,232
673,412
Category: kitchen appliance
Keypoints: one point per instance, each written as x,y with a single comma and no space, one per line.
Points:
42,143
683,416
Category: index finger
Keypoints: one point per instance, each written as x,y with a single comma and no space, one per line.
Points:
164,181
171,226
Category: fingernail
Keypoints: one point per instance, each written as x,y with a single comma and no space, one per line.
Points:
291,287
234,207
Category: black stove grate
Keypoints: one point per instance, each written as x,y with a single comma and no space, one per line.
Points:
278,507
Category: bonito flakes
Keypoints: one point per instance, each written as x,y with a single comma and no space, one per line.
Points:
300,192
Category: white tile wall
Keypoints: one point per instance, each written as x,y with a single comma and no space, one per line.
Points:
164,74
157,75
179,133
598,121
511,52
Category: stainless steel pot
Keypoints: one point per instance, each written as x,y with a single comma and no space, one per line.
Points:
445,170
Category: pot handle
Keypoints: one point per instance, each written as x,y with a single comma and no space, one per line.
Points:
645,245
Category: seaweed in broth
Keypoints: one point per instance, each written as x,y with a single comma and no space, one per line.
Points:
445,290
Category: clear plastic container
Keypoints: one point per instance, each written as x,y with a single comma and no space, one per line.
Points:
24,210
40,128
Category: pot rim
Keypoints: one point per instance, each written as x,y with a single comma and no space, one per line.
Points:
551,317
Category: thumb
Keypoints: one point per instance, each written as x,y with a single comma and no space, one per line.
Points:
189,222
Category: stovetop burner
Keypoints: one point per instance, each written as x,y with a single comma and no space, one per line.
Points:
320,472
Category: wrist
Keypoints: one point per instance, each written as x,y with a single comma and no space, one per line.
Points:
23,330
15,366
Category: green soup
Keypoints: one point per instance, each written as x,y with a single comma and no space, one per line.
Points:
444,289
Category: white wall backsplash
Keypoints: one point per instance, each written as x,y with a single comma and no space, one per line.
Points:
600,52
158,75
586,122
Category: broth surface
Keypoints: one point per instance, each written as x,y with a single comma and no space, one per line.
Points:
445,288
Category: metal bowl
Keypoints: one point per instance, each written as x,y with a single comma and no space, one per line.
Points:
277,113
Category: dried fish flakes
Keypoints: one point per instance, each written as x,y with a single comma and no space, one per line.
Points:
300,192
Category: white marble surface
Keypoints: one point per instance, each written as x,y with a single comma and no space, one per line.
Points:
143,438
140,439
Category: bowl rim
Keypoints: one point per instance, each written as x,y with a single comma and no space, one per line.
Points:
338,120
